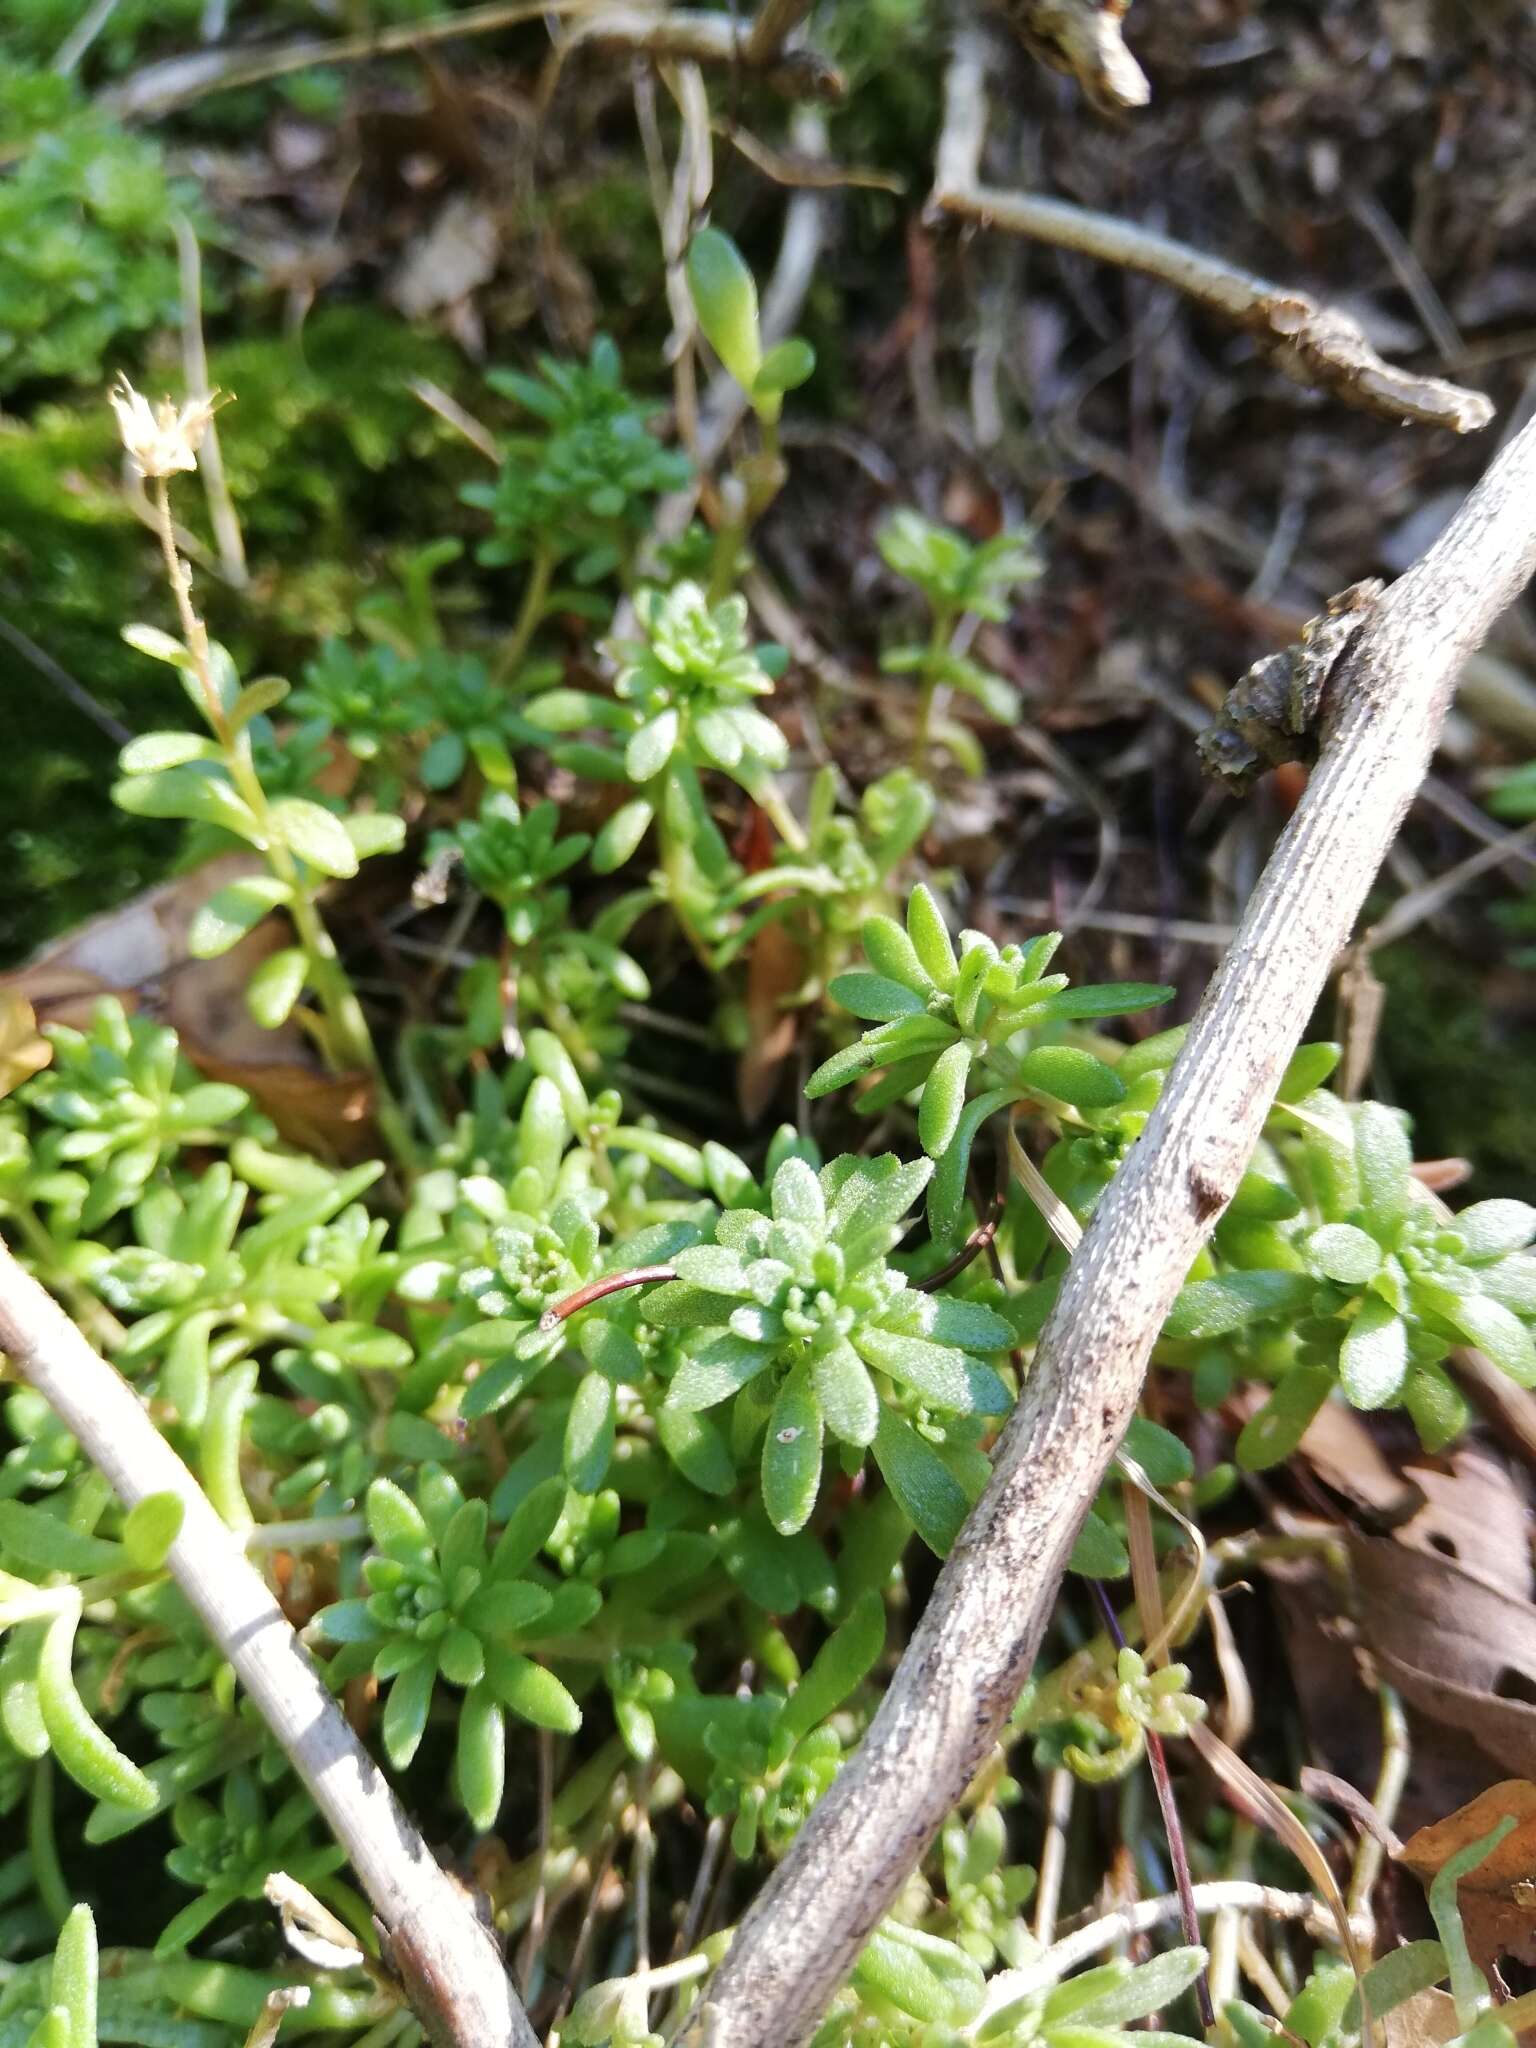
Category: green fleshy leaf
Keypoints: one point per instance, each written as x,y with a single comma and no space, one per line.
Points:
930,937
725,299
849,1403
651,748
620,837
839,1668
969,1324
589,1433
1385,1158
1071,1076
1270,1436
1215,1308
481,1756
532,1693
233,911
1373,1359
82,1748
1496,1330
791,1466
317,836
406,1710
717,1370
1098,1552
153,751
151,1528
1342,1252
1494,1228
837,1072
528,1529
933,1370
784,368
932,1499
891,953
187,792
697,1449
874,996
1106,999
276,986
943,1099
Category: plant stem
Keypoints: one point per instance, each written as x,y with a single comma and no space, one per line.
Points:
1396,1756
1172,1825
530,613
349,1041
599,1290
769,799
938,647
47,1872
674,853
308,1534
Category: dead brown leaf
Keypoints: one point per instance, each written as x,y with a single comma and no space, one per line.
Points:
775,969
138,953
1475,1513
1344,1454
1427,2020
22,1052
1498,1898
1455,1645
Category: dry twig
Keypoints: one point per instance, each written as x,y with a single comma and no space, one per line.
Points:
705,38
979,1635
1312,343
448,1963
713,39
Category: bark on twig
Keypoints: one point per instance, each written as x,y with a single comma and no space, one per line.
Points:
447,1961
978,1637
1312,343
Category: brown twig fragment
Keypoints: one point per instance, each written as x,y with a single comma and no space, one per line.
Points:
980,1632
1084,38
599,1290
1312,343
449,1964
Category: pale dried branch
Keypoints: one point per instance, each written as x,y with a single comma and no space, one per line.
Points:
1084,38
447,1961
705,38
710,39
1312,343
176,81
981,1630
1141,1916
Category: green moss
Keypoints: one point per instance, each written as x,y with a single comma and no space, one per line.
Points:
1467,1075
332,463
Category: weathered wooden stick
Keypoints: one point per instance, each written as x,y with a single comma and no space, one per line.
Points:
977,1640
447,1961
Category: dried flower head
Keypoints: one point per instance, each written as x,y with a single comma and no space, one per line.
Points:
161,439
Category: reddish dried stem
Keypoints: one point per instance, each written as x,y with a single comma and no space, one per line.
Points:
599,1290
